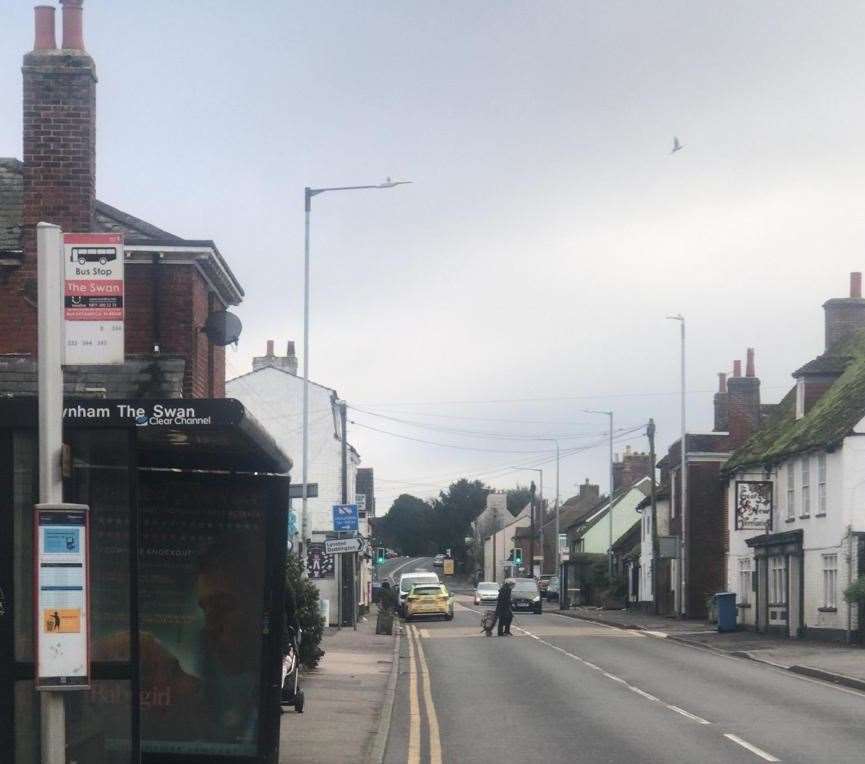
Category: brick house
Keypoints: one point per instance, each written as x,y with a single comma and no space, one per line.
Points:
795,488
172,283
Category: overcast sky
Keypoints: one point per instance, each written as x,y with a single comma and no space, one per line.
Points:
527,272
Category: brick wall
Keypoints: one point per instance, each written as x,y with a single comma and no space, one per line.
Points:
184,302
706,532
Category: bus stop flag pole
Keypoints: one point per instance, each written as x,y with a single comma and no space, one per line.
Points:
49,254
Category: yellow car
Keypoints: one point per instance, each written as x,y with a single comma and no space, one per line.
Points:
429,599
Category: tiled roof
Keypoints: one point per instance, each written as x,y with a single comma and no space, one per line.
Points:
829,421
158,377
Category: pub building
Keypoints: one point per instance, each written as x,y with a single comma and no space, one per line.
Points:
187,493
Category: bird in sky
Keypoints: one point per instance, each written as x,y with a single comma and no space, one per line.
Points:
676,145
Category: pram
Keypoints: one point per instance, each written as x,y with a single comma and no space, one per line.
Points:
291,693
488,622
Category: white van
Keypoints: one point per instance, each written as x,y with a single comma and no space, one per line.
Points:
408,580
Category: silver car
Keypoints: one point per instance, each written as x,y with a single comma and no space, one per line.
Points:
486,591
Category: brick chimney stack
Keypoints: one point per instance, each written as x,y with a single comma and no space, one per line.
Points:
59,157
288,362
743,401
722,404
845,315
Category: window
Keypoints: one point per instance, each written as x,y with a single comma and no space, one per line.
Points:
744,581
777,581
830,580
821,484
800,397
791,491
674,484
806,487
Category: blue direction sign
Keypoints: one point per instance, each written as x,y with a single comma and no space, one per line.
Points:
345,517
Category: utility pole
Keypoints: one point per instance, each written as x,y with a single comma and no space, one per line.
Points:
532,531
683,469
610,513
650,432
495,533
343,418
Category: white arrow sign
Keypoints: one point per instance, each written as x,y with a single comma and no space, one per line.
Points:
342,546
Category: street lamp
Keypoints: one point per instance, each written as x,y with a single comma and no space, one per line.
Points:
683,470
308,193
610,511
532,542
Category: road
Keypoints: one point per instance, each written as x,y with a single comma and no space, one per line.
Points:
568,690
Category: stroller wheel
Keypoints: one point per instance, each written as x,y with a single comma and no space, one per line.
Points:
298,702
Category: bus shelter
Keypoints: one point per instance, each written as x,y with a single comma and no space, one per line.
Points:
187,507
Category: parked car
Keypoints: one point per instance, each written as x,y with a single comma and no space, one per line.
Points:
429,599
526,595
408,580
543,582
486,591
439,561
552,591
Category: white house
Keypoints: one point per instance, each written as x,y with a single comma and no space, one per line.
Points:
593,533
499,544
646,591
273,393
796,493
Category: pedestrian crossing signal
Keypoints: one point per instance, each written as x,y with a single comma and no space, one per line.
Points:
518,556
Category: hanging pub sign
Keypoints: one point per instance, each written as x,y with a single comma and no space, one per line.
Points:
62,596
93,298
753,505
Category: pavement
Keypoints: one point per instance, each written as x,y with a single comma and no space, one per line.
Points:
346,713
833,662
569,689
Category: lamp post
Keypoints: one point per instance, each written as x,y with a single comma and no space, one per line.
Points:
610,512
683,472
308,193
532,543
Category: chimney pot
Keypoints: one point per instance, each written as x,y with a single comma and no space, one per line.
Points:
737,368
270,348
722,382
749,366
45,28
856,284
289,349
73,24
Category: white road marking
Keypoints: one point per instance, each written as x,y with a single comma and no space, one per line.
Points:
658,634
688,715
424,633
752,748
618,679
435,746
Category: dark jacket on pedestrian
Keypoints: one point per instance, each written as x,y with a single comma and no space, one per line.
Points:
503,603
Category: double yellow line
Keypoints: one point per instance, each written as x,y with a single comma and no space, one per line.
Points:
419,675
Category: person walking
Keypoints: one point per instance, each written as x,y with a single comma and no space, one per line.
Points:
503,610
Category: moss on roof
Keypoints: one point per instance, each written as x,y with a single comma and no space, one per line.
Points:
828,422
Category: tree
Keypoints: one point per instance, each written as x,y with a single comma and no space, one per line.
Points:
518,498
453,512
308,614
408,526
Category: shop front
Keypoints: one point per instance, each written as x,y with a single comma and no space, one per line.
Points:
779,583
187,513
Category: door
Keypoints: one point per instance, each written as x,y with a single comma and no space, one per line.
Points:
794,600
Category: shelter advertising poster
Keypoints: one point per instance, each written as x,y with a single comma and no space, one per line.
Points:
201,604
753,505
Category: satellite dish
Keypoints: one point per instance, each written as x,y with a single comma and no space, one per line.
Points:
222,328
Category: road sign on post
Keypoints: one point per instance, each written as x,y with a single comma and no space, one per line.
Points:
93,298
342,546
345,517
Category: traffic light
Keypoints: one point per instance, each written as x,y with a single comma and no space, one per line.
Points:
379,555
518,556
